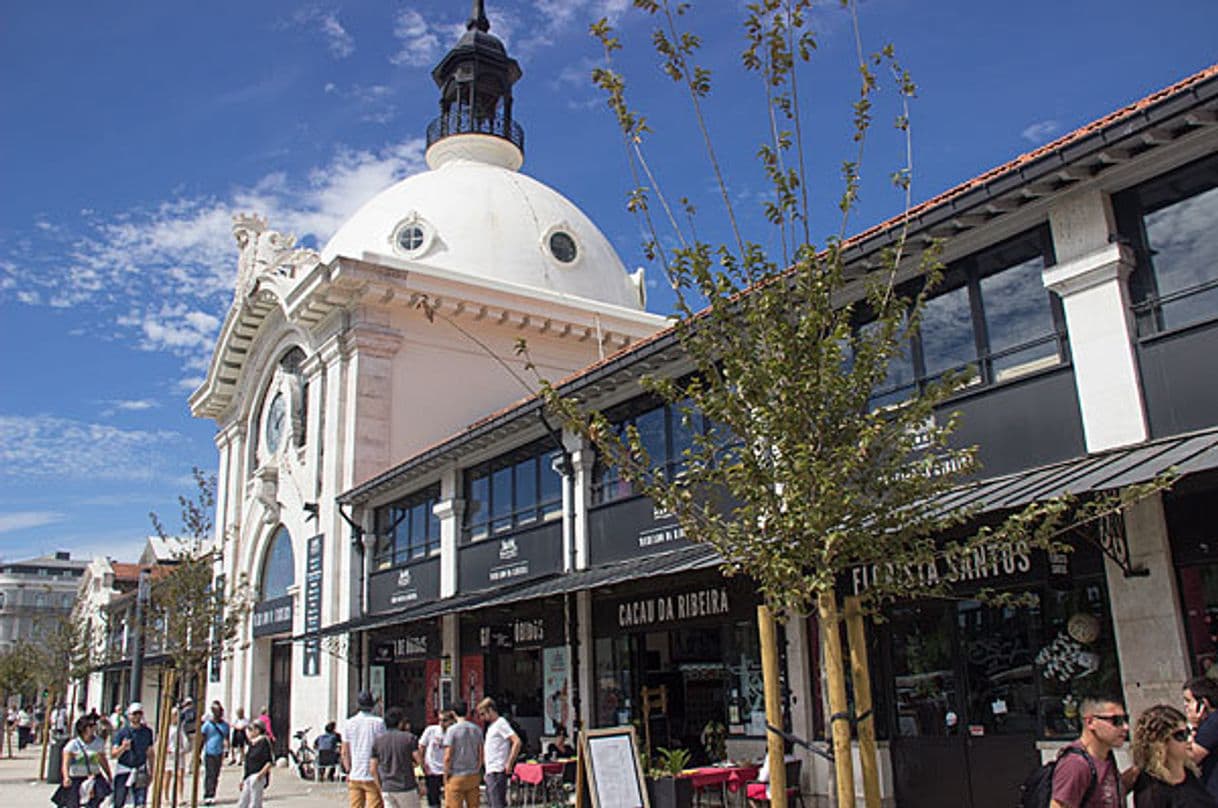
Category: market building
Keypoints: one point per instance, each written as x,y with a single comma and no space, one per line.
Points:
445,541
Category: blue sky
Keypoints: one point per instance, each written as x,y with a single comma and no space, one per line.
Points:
131,132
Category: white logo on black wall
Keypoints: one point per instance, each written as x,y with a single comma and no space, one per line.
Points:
508,550
404,577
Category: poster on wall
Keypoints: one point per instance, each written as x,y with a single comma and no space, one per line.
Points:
471,681
376,683
555,673
431,686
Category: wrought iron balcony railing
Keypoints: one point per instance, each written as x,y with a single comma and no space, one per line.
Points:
460,122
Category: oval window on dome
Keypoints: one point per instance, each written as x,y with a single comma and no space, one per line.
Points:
562,247
412,236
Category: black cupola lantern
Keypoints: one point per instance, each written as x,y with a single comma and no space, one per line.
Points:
475,80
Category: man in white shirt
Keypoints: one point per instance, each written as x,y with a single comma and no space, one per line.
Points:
502,747
432,745
361,730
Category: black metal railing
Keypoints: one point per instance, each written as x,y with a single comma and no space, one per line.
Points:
459,121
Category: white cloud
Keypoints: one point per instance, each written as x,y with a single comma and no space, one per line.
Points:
116,271
1039,132
49,447
420,40
339,41
23,520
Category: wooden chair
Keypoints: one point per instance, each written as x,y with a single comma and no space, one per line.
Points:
755,792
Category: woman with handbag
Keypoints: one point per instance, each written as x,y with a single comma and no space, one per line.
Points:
85,771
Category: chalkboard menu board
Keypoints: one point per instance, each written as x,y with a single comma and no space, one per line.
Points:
610,758
311,658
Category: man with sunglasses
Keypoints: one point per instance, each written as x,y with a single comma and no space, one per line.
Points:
1201,707
1091,779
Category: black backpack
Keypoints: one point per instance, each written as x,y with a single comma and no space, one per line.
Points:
1037,790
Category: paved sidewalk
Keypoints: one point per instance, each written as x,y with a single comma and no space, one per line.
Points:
20,788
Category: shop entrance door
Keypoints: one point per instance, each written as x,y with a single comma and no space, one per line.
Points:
966,706
281,694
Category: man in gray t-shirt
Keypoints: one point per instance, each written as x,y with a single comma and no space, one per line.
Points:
394,755
462,761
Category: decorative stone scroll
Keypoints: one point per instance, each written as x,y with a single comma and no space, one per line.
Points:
265,254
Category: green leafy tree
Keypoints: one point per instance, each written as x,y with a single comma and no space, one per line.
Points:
19,673
801,478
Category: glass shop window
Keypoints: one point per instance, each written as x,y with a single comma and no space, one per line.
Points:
514,491
407,529
1172,224
971,668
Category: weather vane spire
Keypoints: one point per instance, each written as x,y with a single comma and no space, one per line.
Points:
477,18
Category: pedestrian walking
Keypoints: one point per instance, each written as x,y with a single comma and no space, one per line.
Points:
1201,708
462,760
264,717
502,747
215,745
361,731
395,753
1105,727
431,744
1162,751
85,772
236,748
132,748
256,769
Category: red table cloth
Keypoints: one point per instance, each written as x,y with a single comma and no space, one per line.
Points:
535,773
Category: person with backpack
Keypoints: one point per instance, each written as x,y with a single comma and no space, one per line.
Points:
1085,774
1162,747
1201,707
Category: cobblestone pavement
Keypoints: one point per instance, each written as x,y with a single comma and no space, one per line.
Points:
20,788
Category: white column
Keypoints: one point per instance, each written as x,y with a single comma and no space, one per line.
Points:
1091,277
582,458
1146,613
449,511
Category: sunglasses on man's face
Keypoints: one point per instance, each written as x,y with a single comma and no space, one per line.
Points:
1115,720
1182,735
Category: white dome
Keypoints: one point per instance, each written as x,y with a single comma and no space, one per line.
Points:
474,214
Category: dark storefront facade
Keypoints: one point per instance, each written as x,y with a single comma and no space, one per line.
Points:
972,687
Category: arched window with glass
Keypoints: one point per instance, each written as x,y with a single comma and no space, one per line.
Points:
279,567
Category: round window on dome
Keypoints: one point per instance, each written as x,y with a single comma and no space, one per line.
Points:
562,247
411,238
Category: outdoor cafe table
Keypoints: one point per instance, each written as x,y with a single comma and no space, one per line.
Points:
730,779
533,775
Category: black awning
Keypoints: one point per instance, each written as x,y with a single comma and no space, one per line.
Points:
670,563
1103,471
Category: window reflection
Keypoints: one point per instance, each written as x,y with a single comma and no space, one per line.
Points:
513,491
947,333
1018,320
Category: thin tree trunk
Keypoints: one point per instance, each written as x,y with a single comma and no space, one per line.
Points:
46,734
831,641
196,748
773,705
860,676
163,728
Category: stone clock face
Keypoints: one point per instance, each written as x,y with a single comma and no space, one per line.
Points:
275,420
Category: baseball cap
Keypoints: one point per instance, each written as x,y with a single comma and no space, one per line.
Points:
135,707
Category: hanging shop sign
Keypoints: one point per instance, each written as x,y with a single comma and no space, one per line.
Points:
634,528
273,616
311,658
717,600
217,640
402,587
493,562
